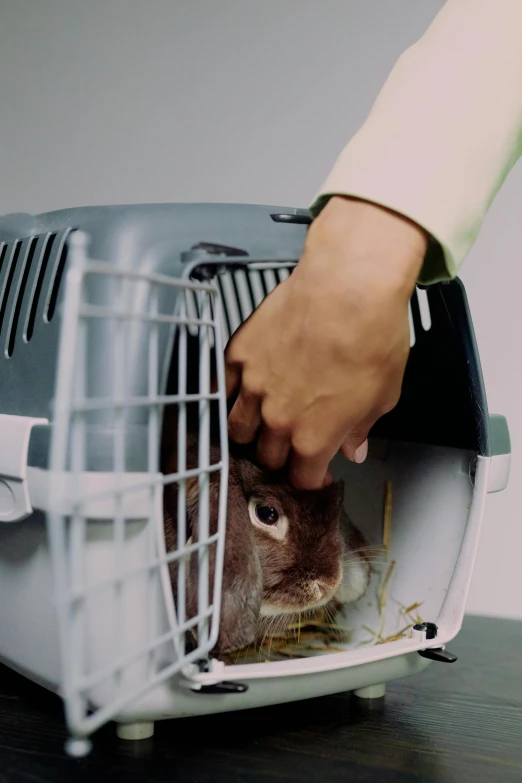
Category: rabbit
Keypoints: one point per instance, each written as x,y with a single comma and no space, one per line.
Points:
287,552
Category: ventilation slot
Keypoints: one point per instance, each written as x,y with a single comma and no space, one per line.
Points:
424,308
37,286
3,251
282,274
4,294
11,339
256,286
194,312
419,315
230,306
55,290
412,328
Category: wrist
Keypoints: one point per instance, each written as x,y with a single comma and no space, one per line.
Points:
386,244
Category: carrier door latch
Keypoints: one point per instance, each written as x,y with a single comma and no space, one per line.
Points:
438,654
223,688
204,677
211,251
15,434
429,631
295,218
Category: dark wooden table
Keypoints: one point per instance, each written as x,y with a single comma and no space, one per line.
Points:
453,723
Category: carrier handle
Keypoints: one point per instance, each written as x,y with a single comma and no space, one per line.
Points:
15,434
500,459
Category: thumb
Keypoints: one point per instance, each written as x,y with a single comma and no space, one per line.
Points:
355,447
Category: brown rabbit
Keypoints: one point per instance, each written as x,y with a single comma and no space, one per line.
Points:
287,552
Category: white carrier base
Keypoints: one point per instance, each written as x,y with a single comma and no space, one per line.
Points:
436,526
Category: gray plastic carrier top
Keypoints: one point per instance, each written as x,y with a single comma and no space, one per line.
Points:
443,400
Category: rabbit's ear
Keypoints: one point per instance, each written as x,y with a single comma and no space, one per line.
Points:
242,580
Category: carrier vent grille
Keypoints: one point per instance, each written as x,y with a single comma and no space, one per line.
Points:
31,273
242,291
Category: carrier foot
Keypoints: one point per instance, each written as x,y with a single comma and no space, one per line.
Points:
78,747
371,692
135,731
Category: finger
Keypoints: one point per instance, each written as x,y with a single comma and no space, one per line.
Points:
273,449
309,471
355,447
244,418
327,479
232,378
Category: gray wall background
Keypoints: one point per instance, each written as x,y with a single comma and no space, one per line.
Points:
114,101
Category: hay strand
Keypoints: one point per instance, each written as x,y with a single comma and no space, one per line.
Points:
387,518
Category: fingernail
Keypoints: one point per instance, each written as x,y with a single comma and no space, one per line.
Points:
361,453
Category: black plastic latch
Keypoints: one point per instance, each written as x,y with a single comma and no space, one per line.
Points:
438,654
211,250
214,249
434,653
223,688
284,217
430,629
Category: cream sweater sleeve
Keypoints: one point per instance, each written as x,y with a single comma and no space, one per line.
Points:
445,129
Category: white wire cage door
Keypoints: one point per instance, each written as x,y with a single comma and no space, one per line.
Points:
121,596
121,592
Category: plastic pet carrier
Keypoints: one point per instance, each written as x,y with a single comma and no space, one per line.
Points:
109,318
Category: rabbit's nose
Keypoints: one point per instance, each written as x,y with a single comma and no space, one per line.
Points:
322,589
319,589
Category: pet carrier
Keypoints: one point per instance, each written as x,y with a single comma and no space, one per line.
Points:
109,316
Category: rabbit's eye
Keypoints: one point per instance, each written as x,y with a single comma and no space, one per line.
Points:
267,518
268,515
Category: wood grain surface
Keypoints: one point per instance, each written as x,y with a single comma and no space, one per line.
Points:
454,723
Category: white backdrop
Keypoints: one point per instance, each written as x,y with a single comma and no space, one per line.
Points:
114,101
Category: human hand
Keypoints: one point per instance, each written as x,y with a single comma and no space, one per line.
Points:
323,356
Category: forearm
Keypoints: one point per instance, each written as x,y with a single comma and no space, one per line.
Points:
445,130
